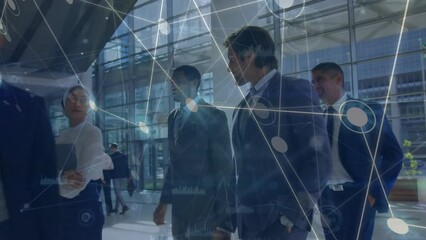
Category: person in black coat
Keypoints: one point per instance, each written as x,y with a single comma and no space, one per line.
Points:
29,195
199,181
120,176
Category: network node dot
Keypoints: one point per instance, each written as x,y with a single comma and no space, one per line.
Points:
279,144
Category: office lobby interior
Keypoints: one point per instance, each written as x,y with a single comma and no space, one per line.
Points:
124,51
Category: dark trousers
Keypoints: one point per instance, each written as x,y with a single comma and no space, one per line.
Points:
342,213
107,194
5,230
274,231
195,230
82,216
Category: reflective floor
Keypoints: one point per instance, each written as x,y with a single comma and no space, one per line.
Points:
137,222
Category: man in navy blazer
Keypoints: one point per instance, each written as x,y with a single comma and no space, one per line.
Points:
366,158
29,194
199,183
280,145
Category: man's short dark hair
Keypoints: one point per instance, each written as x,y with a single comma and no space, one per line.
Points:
113,145
191,73
256,39
329,67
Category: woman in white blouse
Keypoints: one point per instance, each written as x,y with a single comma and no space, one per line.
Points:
82,211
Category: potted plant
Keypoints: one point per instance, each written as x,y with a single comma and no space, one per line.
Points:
405,188
413,165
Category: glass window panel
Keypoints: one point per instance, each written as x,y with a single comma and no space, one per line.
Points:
58,124
116,117
147,39
191,24
118,136
123,28
149,14
187,5
116,76
160,105
317,34
141,93
55,108
116,95
116,49
384,10
306,61
406,102
374,41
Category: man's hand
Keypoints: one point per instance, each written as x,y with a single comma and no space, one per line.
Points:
221,235
73,178
286,222
371,200
160,214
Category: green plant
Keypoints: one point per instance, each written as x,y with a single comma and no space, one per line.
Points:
412,168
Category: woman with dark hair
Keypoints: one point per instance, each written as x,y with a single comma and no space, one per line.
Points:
82,211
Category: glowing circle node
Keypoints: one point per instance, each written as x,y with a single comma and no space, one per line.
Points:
191,105
279,144
284,3
398,225
12,4
261,111
357,116
164,26
93,106
143,127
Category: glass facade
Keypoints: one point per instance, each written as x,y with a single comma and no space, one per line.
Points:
133,82
380,46
134,89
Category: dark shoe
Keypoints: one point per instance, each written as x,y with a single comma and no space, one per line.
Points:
125,209
114,210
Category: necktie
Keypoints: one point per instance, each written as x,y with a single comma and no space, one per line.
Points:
251,94
330,123
178,124
244,113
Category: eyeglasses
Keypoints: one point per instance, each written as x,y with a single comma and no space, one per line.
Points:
74,99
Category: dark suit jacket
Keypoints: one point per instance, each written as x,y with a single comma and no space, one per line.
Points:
121,165
200,176
28,165
262,188
354,152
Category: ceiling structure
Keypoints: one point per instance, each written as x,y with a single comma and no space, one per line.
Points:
56,38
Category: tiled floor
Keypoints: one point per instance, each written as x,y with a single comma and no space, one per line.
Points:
137,222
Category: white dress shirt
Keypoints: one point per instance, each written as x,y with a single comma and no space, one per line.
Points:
91,158
338,173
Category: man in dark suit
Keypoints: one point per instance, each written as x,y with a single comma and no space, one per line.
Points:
120,176
366,158
199,181
279,140
28,188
